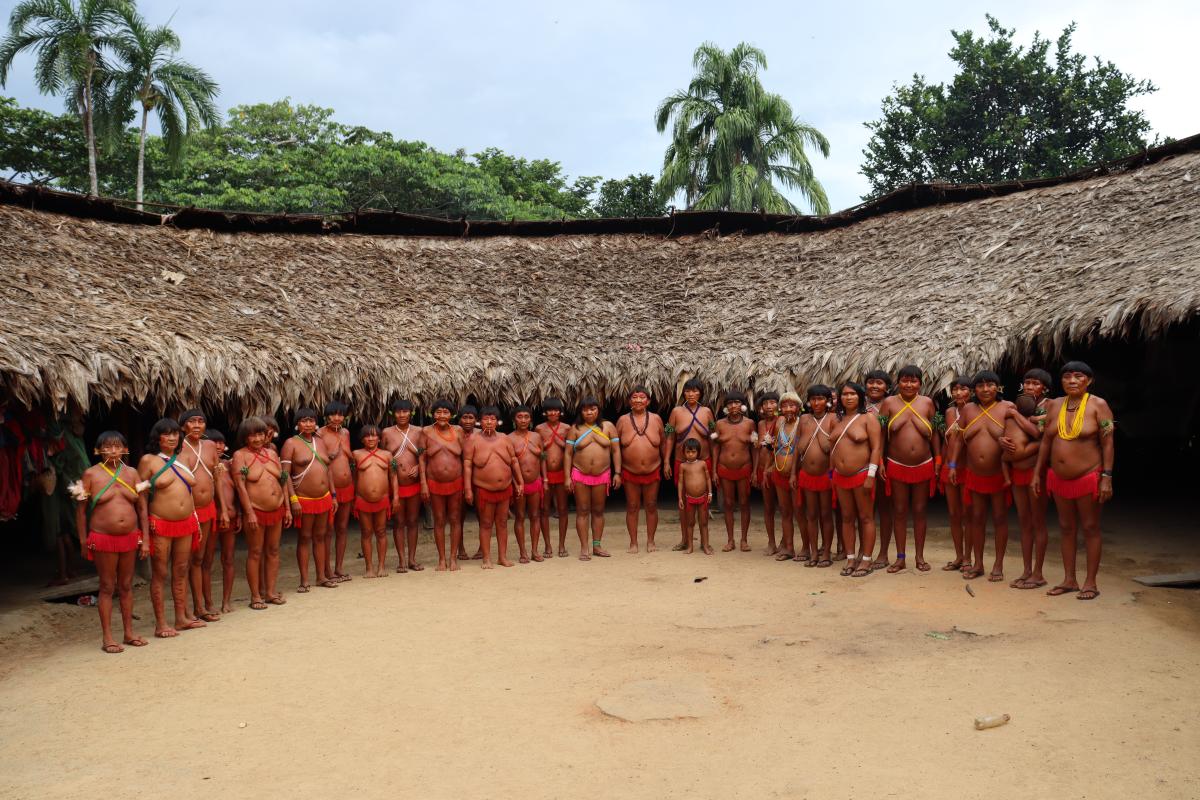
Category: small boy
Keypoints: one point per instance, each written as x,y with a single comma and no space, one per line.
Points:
695,494
376,494
1018,465
228,526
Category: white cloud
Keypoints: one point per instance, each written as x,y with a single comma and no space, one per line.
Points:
579,83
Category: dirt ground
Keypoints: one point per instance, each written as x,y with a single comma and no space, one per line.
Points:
485,684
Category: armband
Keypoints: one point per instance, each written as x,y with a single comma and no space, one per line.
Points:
615,439
883,419
872,469
754,438
939,422
1106,427
294,498
668,429
952,464
77,491
141,486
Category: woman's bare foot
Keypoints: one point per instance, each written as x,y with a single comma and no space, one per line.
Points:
226,608
771,549
729,546
745,546
504,562
708,551
441,566
454,565
537,557
165,633
634,548
562,552
370,573
478,555
487,563
651,547
523,560
190,625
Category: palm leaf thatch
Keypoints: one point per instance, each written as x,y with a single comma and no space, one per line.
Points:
202,307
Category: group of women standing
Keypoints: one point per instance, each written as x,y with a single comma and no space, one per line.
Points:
186,494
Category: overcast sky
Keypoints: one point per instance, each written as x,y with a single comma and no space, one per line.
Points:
579,82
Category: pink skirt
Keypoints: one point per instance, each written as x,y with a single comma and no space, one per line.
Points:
603,479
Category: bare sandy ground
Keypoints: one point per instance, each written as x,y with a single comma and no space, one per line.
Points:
485,684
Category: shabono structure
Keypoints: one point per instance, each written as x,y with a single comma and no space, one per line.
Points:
103,304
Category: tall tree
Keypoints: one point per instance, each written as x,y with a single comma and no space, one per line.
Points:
69,39
732,141
1010,113
149,74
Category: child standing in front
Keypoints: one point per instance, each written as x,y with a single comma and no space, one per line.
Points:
695,494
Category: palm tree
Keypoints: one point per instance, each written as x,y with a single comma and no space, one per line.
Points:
732,141
69,40
149,74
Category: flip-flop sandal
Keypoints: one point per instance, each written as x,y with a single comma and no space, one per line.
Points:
679,548
112,649
258,605
952,565
972,574
277,600
811,562
1028,584
209,616
1058,591
923,566
785,557
995,577
136,641
1088,594
847,571
328,583
302,589
165,634
862,572
824,563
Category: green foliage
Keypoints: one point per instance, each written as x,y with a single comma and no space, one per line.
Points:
68,40
732,142
279,157
39,147
1010,113
634,196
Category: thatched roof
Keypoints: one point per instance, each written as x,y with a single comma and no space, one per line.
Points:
104,303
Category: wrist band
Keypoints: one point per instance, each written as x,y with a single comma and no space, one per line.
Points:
295,499
872,469
952,464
